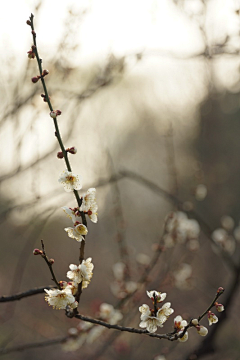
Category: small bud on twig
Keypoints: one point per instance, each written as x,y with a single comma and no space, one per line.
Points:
37,252
45,72
51,261
72,150
60,155
55,113
28,22
35,79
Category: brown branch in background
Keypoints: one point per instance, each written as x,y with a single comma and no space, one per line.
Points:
33,345
206,229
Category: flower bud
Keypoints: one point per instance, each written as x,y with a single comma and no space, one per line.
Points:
195,322
220,290
58,112
37,252
35,79
51,261
72,150
33,32
53,114
60,155
45,72
28,22
219,307
31,54
202,330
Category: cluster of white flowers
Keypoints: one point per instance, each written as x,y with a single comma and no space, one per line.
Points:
179,230
89,207
151,319
180,325
82,273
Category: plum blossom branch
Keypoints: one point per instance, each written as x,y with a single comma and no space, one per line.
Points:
47,99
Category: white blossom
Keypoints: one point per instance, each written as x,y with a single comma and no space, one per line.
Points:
70,213
77,232
70,181
59,299
81,273
212,318
219,307
150,321
179,325
89,204
158,295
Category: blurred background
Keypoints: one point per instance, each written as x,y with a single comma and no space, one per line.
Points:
149,94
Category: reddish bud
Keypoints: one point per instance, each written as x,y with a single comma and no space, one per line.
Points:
60,155
37,252
72,150
45,72
220,290
28,22
35,79
58,112
33,32
51,261
31,54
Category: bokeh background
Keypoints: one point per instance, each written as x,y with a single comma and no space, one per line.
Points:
149,94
